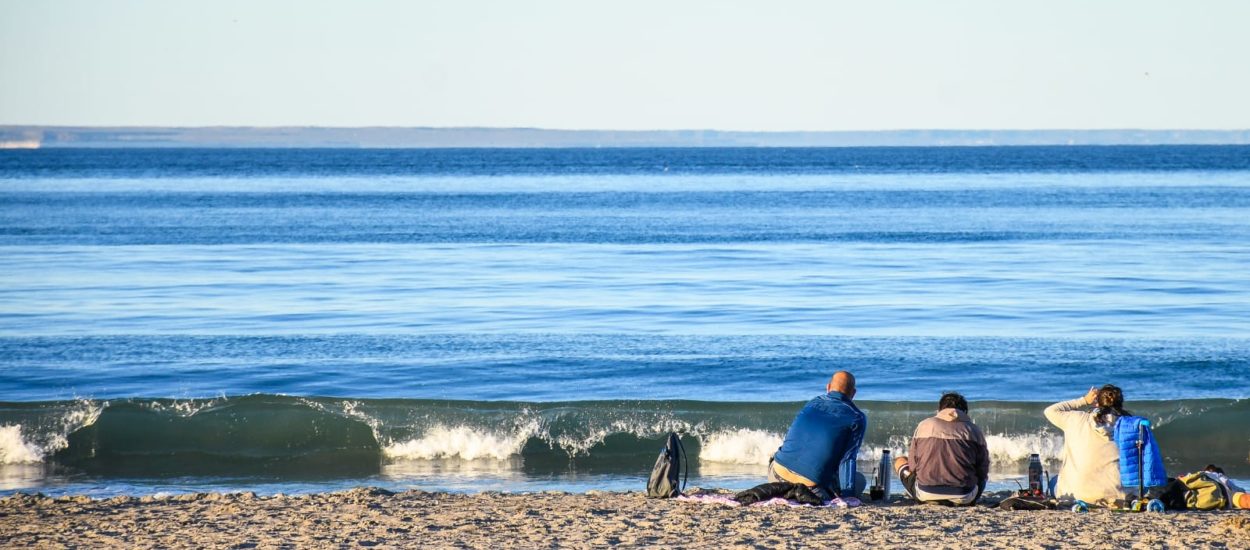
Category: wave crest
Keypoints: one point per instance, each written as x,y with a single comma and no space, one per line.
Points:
617,436
460,442
23,443
16,450
741,446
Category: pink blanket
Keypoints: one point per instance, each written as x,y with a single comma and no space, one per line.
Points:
849,502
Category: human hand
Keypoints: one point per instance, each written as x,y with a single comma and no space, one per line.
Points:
1091,396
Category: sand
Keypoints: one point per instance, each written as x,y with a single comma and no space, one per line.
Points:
374,517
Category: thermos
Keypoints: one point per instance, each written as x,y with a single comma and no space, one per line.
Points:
1035,474
886,469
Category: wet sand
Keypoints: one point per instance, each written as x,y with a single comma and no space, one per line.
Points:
374,517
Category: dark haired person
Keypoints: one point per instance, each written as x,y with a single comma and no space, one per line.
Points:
1091,458
949,461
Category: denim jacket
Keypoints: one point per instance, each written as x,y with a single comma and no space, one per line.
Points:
824,440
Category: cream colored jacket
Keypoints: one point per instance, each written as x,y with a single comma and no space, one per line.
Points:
1091,460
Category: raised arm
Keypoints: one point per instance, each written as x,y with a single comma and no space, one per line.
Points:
1060,413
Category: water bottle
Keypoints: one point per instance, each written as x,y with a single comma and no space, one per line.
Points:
1035,474
886,469
846,473
1080,507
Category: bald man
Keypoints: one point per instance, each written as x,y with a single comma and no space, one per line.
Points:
821,445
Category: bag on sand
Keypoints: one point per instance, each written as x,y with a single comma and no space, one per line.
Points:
1028,502
1204,492
663,482
1172,495
796,492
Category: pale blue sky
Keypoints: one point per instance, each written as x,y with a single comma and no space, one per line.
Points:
637,64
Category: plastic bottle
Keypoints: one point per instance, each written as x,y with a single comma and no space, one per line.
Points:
1080,507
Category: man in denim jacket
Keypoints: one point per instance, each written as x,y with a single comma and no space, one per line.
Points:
821,445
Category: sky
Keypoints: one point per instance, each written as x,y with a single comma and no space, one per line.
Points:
821,65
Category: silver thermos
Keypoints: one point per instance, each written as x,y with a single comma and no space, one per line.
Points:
886,469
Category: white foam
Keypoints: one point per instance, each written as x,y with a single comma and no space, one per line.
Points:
187,407
754,447
896,444
741,446
1017,448
461,442
23,445
351,409
580,443
1007,452
16,450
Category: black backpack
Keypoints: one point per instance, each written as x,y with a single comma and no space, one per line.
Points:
1172,495
663,482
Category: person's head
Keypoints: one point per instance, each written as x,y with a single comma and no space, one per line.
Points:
842,382
1109,402
952,400
1110,397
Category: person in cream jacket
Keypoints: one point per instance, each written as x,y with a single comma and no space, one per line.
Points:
1091,459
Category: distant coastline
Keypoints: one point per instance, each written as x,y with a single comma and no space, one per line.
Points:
34,137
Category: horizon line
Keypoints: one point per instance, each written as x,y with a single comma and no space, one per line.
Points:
36,136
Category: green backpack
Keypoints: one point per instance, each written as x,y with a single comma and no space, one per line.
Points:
1203,492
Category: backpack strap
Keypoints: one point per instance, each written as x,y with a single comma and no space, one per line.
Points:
685,464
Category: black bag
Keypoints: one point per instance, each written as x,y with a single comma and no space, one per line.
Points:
1172,495
790,491
663,482
1023,502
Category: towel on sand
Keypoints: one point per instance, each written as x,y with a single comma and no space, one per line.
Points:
727,500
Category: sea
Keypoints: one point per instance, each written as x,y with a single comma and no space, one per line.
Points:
298,320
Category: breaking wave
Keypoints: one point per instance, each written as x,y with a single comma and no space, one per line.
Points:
29,434
273,434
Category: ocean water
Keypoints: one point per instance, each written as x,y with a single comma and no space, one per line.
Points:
469,320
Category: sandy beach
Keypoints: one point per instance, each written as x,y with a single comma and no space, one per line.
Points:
374,517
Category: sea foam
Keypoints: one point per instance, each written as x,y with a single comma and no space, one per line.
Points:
740,446
1007,452
16,450
459,442
33,444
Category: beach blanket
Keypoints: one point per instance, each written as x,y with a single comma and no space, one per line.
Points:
727,500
